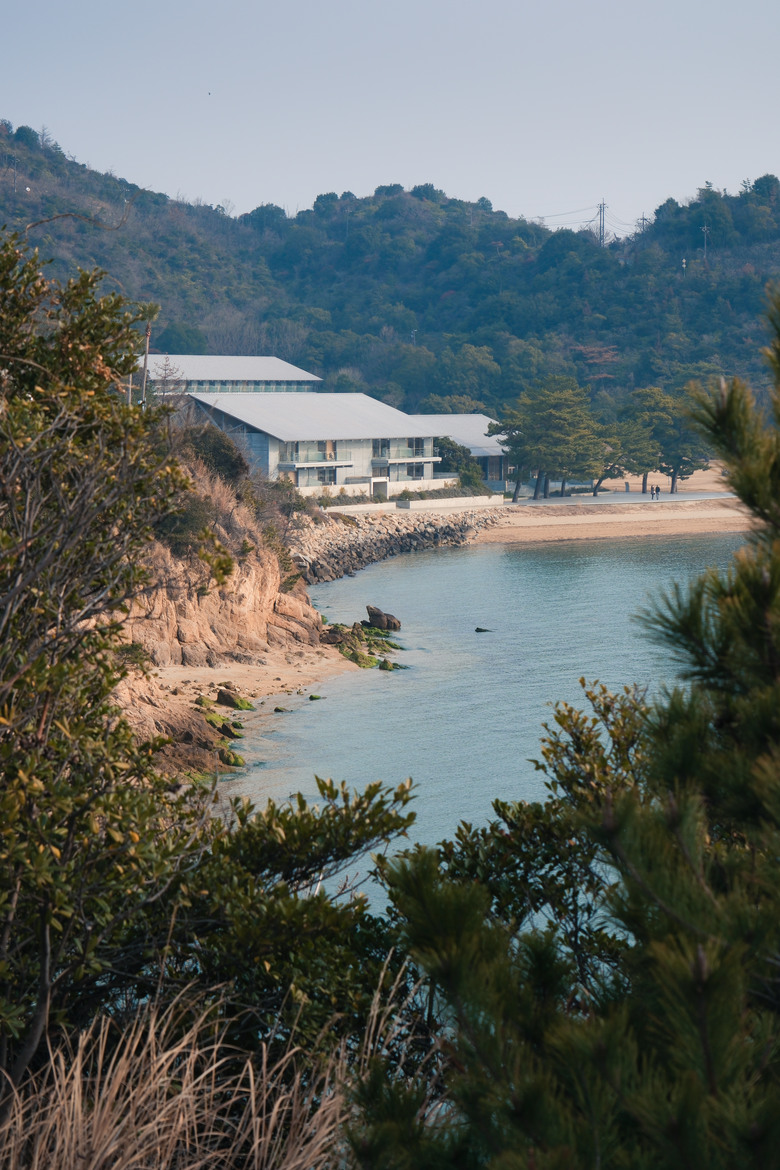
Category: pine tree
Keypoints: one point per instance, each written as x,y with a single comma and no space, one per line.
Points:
650,1037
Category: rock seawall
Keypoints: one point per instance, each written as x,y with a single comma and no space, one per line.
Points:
342,544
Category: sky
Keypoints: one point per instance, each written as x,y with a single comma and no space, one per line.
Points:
547,109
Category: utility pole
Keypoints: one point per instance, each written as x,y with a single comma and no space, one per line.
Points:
706,231
643,221
602,225
146,364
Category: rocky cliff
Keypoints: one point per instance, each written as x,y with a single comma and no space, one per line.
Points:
182,621
186,624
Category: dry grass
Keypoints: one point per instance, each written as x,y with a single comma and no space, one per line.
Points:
165,1095
159,1098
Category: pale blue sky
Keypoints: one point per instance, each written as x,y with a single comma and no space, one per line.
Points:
544,108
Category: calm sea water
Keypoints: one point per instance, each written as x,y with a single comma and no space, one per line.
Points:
465,718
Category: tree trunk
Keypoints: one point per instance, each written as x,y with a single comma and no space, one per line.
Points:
563,487
516,496
644,483
673,488
547,487
538,488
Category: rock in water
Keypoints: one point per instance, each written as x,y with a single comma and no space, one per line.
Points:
380,620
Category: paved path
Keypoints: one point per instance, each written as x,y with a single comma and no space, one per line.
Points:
612,498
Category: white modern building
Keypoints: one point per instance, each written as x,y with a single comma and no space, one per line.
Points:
214,373
470,430
337,441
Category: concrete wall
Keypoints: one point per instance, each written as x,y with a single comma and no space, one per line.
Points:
395,487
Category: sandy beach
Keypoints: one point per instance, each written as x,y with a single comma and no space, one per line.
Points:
700,506
282,672
532,524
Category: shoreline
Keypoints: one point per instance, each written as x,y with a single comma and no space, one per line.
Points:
552,523
164,701
167,697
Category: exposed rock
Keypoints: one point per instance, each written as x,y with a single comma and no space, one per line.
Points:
380,620
183,622
231,699
329,549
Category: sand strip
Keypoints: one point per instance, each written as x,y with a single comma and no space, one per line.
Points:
546,523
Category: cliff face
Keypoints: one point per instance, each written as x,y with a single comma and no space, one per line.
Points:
184,622
253,625
247,626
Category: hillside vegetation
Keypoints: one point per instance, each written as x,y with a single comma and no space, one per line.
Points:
414,296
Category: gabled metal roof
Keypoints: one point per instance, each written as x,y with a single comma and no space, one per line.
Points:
306,416
470,430
216,368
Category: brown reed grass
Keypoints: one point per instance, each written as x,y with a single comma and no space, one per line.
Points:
159,1096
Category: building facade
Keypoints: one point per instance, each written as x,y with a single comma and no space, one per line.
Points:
216,374
470,430
335,441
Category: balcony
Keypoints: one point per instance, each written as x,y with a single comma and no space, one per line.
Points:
316,459
403,455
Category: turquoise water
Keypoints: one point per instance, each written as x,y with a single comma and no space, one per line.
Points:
466,717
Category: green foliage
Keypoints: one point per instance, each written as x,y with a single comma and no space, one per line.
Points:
182,530
553,432
605,964
116,885
462,300
218,452
457,460
450,404
681,447
178,337
83,479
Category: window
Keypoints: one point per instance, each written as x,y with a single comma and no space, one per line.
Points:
326,474
380,448
416,446
415,470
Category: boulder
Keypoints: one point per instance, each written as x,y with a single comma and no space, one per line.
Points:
380,620
229,699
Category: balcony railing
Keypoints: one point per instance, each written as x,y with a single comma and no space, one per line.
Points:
306,458
396,452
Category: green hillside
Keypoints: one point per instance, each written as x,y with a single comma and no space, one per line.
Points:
413,294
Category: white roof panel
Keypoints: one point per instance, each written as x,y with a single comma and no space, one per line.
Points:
216,368
310,416
470,430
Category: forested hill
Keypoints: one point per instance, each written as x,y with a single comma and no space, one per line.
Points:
413,296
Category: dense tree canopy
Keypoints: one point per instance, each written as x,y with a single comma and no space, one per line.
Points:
417,293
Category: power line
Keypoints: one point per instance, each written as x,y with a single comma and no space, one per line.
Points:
561,214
